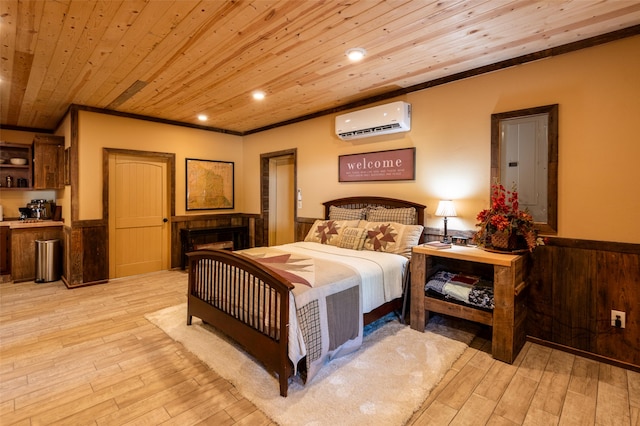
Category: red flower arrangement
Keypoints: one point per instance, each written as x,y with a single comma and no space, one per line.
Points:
504,225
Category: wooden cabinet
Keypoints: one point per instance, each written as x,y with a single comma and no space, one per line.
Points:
191,238
23,249
19,174
509,274
48,162
5,250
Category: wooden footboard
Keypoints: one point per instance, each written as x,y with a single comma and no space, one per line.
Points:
245,301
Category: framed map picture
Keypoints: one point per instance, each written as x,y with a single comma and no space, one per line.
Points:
209,184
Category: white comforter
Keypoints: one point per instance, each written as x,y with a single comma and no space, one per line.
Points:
378,275
381,273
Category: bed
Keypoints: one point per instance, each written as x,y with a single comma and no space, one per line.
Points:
296,306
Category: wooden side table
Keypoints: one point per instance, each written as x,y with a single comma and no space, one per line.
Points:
509,274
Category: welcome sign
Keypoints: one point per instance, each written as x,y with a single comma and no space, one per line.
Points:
397,164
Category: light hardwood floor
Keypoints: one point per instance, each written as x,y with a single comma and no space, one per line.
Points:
88,356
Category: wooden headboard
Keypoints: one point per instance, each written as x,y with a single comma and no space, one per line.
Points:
372,201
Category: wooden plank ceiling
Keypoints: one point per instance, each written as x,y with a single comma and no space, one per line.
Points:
176,59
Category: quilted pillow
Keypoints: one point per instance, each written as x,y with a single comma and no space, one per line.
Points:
391,237
406,216
352,238
341,213
328,231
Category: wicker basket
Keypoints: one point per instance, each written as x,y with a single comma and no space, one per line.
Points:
501,240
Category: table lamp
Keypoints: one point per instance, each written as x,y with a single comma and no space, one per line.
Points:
446,209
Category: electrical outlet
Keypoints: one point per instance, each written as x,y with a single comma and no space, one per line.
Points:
618,315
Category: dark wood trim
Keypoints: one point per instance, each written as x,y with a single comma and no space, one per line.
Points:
264,189
77,285
551,225
89,223
154,119
190,218
612,246
26,129
585,354
73,163
310,220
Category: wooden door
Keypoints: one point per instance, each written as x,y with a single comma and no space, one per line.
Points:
138,208
281,200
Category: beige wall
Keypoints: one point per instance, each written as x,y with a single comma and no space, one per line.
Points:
599,96
98,131
598,93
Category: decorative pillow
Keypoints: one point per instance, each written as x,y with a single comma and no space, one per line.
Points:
352,238
406,216
341,213
328,231
392,237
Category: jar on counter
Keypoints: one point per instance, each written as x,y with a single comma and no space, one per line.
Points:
9,182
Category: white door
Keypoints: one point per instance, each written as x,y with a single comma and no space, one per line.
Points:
524,155
138,208
281,200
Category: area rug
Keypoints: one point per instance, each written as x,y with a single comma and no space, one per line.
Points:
382,383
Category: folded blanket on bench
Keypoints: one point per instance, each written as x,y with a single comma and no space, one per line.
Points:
464,288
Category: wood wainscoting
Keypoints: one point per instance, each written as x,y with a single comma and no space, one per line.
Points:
576,284
86,245
85,253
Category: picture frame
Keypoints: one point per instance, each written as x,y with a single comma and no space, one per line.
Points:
209,184
391,165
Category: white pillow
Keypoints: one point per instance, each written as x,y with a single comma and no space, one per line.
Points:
329,231
352,238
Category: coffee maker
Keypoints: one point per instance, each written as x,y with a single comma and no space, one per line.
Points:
40,209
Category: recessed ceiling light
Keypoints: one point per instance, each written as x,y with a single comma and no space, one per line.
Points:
202,117
356,53
258,95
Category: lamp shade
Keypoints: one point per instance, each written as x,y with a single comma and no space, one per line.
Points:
446,209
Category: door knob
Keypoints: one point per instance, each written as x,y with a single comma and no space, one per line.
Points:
165,220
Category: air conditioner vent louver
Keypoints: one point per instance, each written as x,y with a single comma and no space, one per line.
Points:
379,120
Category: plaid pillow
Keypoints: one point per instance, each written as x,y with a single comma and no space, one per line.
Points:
341,213
406,216
352,238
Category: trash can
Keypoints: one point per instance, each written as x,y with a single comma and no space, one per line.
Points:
47,260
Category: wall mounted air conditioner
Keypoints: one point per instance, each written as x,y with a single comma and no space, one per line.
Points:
379,120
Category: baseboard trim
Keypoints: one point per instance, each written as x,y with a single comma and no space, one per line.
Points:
77,285
585,354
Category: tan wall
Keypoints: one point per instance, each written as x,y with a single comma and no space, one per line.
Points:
599,104
599,97
98,131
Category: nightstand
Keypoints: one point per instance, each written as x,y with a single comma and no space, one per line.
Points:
509,274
